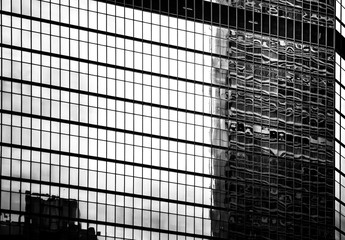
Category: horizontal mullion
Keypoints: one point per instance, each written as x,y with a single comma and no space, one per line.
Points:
220,15
213,84
113,34
134,164
114,224
64,185
72,90
112,129
108,65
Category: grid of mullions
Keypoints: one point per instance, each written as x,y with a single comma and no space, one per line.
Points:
28,88
340,10
339,147
75,174
170,30
99,45
340,17
305,92
339,128
321,14
93,15
112,113
64,137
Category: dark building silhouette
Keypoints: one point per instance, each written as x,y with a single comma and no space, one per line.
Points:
53,218
174,119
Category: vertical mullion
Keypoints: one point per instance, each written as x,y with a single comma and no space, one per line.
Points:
1,103
107,124
78,145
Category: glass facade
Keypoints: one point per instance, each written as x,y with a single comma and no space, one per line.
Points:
279,162
179,119
340,121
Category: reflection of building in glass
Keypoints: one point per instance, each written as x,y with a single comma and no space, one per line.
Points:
51,218
279,165
179,119
276,177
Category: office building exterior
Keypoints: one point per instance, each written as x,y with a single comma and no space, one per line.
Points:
179,119
339,120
